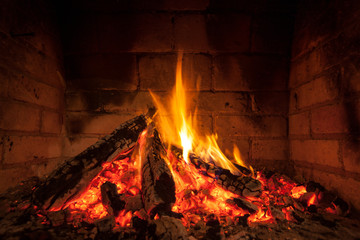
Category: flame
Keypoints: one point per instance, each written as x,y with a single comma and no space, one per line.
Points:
181,129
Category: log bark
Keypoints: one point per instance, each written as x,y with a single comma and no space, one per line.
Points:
72,177
242,185
158,186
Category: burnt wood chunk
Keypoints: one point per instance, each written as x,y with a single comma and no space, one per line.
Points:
111,199
242,185
167,228
158,186
243,204
72,177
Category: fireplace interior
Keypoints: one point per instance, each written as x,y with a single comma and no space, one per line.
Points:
279,79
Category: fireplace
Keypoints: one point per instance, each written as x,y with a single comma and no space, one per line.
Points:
278,79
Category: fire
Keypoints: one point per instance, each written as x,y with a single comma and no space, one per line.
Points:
181,128
198,195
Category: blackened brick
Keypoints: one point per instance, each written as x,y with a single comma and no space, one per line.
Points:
243,73
228,32
19,116
190,32
157,72
103,71
228,126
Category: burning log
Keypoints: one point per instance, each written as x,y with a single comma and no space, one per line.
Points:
242,185
158,186
72,177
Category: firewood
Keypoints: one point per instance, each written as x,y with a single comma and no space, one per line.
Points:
242,185
111,199
158,186
71,178
244,204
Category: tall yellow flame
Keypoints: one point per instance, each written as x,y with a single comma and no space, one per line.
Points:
180,127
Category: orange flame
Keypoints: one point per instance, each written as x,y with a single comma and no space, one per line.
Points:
181,128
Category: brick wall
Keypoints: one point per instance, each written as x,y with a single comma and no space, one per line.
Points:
324,108
31,92
117,50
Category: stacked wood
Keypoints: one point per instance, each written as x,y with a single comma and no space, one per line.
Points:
158,186
70,179
243,184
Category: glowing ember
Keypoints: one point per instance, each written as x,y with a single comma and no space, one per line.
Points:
124,174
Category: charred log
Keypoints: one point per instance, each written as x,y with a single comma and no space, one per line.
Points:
158,186
242,185
71,178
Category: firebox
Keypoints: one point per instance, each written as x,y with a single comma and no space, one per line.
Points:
169,119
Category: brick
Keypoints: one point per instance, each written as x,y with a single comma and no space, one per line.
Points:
23,88
324,152
351,73
317,91
2,144
227,126
42,170
347,188
12,177
4,81
304,69
102,71
190,32
241,73
78,101
319,29
204,125
75,145
157,72
270,102
82,123
28,59
196,70
51,122
24,149
269,149
228,32
293,101
299,124
227,147
329,119
19,116
351,155
271,33
135,32
220,102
